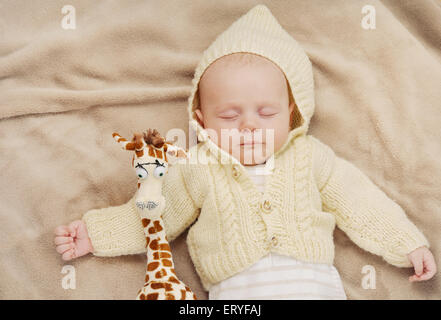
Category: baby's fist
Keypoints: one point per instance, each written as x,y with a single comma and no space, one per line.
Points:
72,241
423,263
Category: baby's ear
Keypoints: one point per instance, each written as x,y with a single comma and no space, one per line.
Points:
291,106
200,117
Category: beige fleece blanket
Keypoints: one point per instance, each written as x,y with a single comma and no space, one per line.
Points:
128,66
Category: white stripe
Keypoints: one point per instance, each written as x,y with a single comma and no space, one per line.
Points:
281,277
277,272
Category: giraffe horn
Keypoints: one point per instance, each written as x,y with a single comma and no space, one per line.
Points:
126,145
175,138
138,140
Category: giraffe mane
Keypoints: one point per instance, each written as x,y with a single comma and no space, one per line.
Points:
153,138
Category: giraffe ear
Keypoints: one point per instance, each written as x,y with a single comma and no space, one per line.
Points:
175,154
126,145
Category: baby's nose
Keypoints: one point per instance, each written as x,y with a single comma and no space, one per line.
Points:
248,127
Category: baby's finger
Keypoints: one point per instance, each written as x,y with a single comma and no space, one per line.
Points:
429,262
430,268
72,230
63,240
61,231
64,247
425,276
68,255
418,265
414,278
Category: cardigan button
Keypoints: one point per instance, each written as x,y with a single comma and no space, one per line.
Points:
266,206
236,172
274,241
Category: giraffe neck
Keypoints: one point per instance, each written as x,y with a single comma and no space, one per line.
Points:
159,258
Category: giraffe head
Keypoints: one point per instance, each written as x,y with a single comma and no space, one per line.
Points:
151,158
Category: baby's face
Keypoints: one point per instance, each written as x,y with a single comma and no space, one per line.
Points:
249,101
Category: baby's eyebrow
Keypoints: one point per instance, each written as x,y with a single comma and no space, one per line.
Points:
227,107
269,104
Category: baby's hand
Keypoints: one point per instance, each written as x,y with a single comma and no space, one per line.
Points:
423,263
73,241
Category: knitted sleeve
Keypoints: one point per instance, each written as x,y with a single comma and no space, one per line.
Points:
118,230
364,212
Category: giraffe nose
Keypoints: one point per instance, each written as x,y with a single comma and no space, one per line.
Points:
149,205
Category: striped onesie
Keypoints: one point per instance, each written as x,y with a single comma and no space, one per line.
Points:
278,276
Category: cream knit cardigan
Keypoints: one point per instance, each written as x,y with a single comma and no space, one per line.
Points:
310,191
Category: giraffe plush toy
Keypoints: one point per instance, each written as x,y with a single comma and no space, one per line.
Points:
152,156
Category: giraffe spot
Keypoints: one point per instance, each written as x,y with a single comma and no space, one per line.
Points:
152,266
147,239
139,185
164,246
152,296
166,238
194,297
157,225
165,255
138,145
147,278
121,139
145,222
152,230
183,294
166,263
173,279
187,288
139,153
169,296
156,255
154,244
161,273
142,296
168,287
157,285
173,270
151,152
158,154
130,146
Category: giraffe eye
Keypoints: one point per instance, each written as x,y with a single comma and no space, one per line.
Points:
159,172
141,172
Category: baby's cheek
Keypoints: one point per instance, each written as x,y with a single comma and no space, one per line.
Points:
280,137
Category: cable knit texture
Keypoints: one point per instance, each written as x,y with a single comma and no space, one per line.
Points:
310,190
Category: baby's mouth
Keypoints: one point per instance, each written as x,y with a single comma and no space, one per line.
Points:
250,143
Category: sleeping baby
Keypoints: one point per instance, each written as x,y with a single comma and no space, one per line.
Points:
263,208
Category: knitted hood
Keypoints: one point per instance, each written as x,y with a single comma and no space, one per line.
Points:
258,32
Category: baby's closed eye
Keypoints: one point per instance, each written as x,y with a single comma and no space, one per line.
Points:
268,111
228,115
